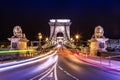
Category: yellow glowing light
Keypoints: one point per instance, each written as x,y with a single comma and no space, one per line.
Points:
77,36
46,39
15,51
71,39
40,35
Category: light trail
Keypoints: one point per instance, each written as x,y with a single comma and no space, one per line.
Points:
15,51
27,63
40,74
44,65
23,61
47,72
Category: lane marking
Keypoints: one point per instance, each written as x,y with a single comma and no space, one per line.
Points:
55,72
40,74
48,72
67,73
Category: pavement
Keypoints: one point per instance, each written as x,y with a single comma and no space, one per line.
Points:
107,63
71,68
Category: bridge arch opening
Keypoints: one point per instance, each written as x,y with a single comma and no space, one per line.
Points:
60,34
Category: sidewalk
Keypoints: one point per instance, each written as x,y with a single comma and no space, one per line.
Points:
100,62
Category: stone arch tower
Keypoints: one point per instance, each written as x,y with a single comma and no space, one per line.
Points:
59,26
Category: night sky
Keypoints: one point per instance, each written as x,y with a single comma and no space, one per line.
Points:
33,16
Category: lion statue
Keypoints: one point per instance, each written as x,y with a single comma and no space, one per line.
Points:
17,32
98,32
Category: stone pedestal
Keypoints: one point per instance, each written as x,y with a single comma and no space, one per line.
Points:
97,45
93,47
18,43
102,44
98,41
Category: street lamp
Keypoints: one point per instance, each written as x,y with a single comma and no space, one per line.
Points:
77,36
39,37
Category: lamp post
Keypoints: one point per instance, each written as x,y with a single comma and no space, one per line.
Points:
77,36
39,37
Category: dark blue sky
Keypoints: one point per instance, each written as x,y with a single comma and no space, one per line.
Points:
33,16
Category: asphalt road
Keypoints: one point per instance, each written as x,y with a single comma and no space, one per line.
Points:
30,71
69,68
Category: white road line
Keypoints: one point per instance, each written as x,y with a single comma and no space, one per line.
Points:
68,73
40,74
48,73
55,73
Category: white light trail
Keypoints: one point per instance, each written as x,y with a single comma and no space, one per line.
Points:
22,61
58,46
27,63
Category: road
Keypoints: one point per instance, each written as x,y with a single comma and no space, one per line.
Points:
61,66
29,70
70,68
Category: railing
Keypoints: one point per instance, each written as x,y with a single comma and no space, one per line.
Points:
110,56
104,59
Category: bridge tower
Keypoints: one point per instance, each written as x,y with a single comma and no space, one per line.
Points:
59,31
